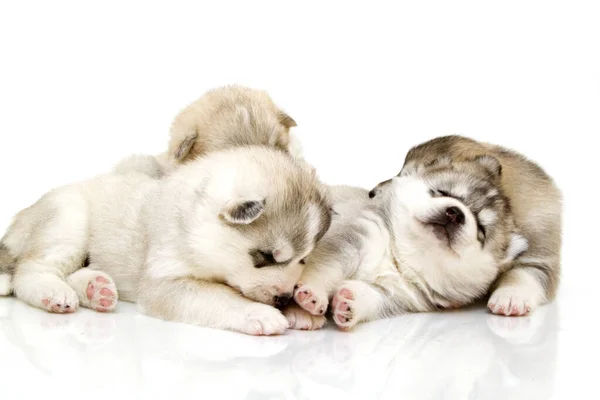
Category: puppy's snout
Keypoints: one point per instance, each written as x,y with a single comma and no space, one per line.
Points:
282,300
455,216
372,193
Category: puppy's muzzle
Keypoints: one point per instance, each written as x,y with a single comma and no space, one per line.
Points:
448,222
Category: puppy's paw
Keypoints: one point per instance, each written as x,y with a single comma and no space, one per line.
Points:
56,296
261,319
299,318
101,293
46,291
512,301
343,307
310,298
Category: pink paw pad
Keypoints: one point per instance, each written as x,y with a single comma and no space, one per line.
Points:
308,300
342,309
102,294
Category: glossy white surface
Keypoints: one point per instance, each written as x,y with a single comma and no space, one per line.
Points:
451,355
83,84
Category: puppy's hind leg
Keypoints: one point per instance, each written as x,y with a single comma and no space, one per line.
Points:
54,249
518,291
40,283
329,264
317,284
535,274
95,289
357,301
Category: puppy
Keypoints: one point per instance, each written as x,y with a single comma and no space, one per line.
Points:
219,242
457,223
531,200
225,117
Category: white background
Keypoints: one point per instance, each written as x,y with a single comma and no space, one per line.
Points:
83,84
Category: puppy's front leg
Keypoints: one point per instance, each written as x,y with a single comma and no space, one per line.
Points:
208,304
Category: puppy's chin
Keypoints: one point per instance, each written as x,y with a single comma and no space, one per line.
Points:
432,236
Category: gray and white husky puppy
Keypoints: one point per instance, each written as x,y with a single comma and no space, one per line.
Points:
462,220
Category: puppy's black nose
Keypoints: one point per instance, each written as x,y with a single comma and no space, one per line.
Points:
372,193
283,300
455,216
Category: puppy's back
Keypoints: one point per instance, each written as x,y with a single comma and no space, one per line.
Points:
225,117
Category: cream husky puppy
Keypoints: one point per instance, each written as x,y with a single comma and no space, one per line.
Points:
225,117
459,222
218,242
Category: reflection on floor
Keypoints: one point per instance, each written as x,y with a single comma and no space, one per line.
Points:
459,354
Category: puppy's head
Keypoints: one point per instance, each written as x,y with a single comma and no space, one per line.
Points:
273,211
227,117
454,220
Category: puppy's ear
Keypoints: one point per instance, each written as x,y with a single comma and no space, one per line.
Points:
491,163
183,148
286,120
242,212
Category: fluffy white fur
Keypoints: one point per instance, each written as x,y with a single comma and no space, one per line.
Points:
179,246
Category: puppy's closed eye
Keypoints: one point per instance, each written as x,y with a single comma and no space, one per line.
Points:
262,258
268,256
444,193
439,193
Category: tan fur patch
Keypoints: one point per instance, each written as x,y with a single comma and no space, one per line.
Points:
226,117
